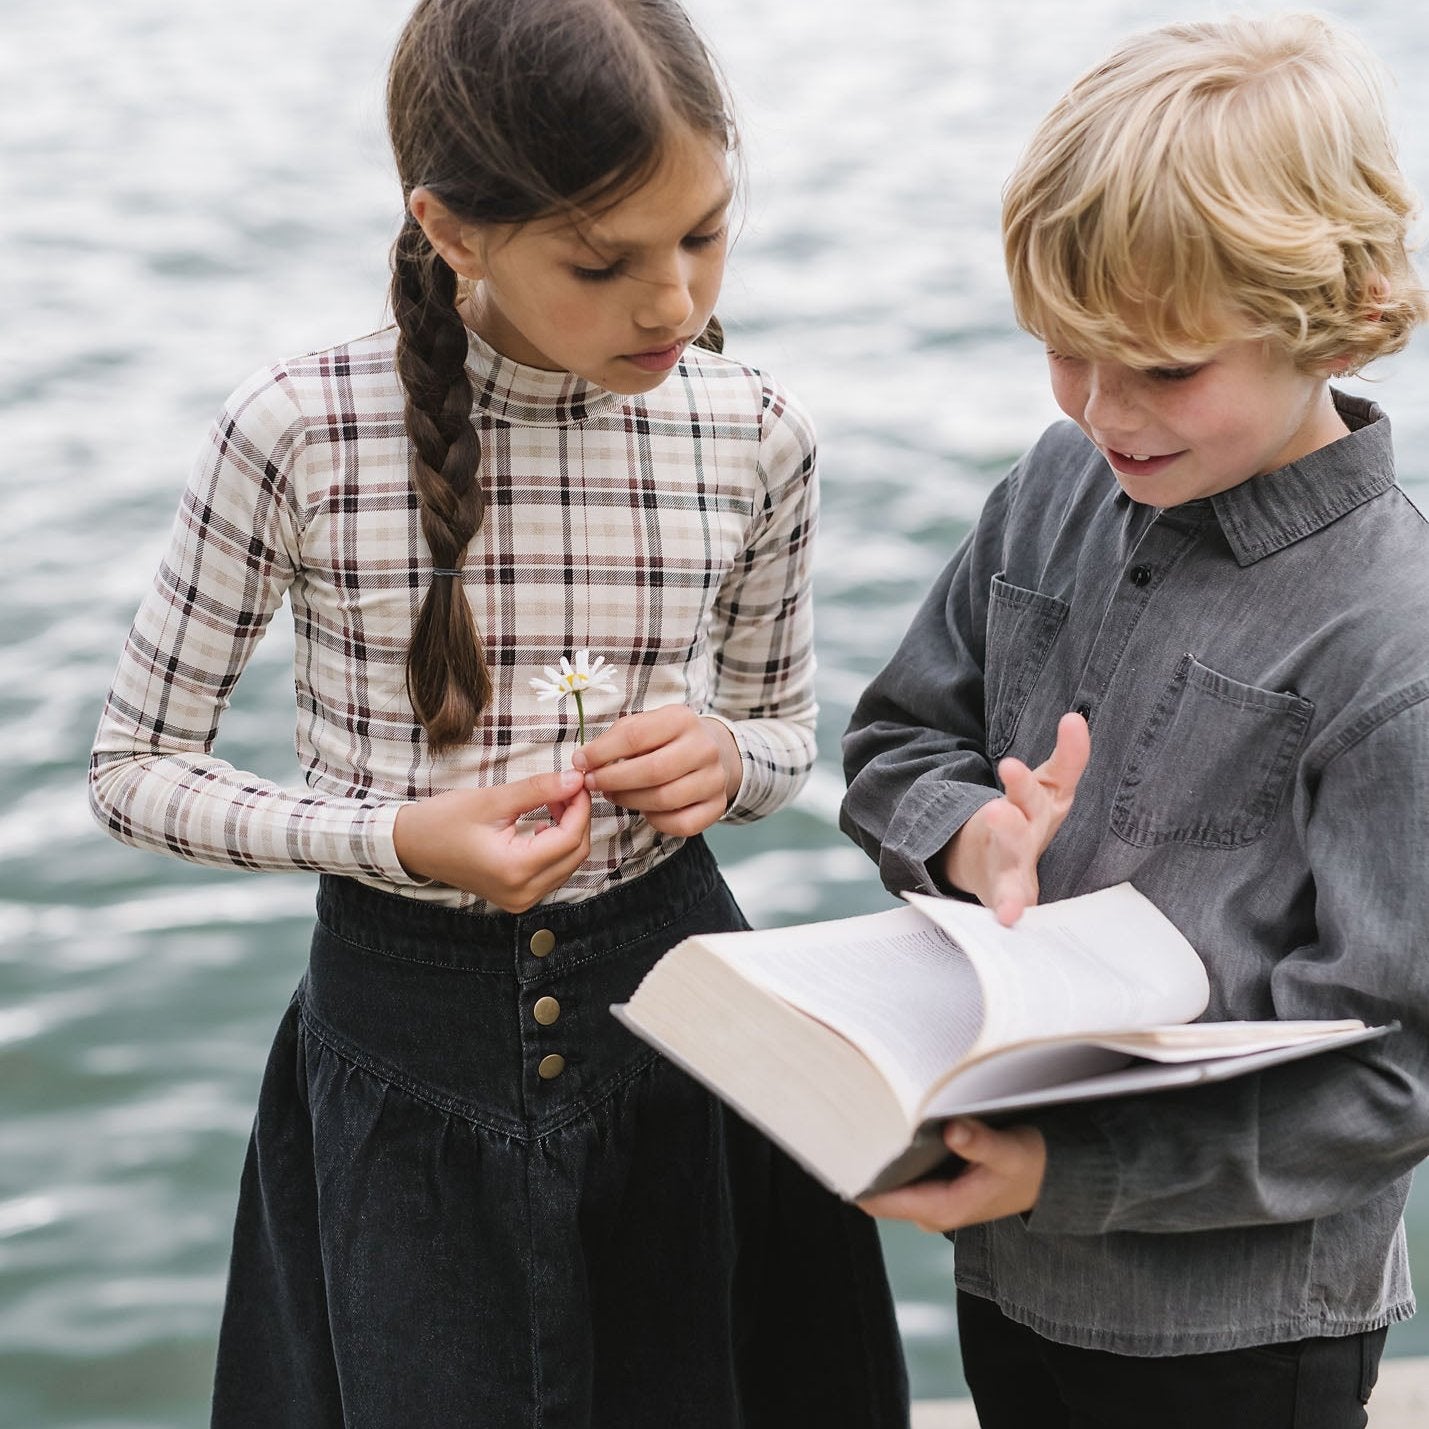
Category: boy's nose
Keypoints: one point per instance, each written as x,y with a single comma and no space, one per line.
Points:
1109,399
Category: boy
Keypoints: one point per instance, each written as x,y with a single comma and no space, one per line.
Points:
1208,598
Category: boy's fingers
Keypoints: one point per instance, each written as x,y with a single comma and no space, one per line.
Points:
1012,893
1069,758
1020,784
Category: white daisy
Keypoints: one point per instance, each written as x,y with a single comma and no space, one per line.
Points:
576,676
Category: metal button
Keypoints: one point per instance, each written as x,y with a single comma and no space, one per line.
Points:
1139,575
551,1065
542,941
546,1010
1085,711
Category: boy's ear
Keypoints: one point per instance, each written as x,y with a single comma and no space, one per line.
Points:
454,240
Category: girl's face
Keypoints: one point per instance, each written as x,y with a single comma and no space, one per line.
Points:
617,300
1178,433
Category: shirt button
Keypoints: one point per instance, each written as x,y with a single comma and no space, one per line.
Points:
546,1010
1084,710
542,941
551,1065
1139,575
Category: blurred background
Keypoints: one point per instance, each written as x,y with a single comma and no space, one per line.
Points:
190,191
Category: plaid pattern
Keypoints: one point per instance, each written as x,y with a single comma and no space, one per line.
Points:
669,532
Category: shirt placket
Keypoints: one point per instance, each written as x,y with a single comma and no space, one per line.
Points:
1164,544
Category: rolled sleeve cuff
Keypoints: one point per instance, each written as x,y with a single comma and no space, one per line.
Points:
929,815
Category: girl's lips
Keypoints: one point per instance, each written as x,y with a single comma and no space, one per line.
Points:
1130,465
658,359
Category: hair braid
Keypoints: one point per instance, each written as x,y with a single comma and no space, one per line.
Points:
447,679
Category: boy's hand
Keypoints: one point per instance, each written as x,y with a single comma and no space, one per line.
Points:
1003,1177
679,770
994,855
468,838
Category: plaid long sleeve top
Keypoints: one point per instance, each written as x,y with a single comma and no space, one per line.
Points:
669,532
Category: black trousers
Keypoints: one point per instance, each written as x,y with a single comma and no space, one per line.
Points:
1020,1380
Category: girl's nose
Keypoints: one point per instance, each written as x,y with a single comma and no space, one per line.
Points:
665,300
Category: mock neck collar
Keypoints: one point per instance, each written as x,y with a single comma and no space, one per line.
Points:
513,393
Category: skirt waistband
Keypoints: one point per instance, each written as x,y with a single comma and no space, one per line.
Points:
420,931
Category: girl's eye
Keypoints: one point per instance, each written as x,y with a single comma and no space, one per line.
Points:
596,275
704,240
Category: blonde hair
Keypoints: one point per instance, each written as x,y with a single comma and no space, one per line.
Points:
1213,182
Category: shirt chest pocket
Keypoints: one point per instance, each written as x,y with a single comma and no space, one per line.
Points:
1021,628
1212,763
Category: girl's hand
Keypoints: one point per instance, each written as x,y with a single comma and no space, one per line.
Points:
679,770
994,855
468,838
1003,1177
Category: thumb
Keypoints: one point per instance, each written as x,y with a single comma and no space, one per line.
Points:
969,1138
523,796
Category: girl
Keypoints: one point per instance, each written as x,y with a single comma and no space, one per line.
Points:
470,1197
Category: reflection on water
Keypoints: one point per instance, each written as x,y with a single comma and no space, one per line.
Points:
190,193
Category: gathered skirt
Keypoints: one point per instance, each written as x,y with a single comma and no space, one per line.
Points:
472,1198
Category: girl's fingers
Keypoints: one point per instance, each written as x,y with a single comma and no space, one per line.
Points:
504,802
676,793
691,820
634,735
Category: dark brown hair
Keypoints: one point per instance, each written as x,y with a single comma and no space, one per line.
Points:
510,110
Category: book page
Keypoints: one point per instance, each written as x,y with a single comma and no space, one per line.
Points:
1101,962
892,983
1145,1077
1197,1040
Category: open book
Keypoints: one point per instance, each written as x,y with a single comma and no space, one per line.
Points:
850,1042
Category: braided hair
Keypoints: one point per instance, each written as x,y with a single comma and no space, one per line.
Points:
506,111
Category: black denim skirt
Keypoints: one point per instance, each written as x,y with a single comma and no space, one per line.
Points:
473,1199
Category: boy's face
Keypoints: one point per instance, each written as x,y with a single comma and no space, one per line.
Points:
1177,433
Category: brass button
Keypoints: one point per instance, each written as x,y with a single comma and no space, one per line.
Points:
551,1065
542,941
546,1010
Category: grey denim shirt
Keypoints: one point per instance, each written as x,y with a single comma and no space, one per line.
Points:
1255,671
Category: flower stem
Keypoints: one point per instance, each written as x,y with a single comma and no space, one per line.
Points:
580,713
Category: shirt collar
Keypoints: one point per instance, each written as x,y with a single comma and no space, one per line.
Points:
1269,512
511,392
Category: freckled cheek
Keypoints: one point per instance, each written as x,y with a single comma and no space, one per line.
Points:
1070,394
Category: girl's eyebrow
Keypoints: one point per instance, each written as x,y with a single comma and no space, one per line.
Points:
617,248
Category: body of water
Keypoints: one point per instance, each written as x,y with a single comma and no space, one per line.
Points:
190,191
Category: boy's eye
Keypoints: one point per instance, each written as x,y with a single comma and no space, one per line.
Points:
1174,374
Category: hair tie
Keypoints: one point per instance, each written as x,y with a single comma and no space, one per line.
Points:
446,571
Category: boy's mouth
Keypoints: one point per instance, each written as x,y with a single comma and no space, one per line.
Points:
1135,464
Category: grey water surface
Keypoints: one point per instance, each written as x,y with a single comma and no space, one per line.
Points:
189,191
